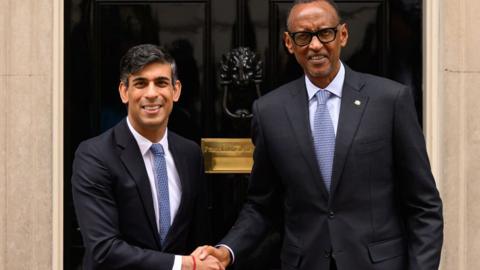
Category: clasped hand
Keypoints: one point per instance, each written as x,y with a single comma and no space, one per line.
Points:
211,258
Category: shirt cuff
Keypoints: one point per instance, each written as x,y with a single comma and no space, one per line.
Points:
177,264
232,255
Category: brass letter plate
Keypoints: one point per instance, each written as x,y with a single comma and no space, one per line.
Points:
227,155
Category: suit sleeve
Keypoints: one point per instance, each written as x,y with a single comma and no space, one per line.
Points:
262,204
419,197
200,233
97,213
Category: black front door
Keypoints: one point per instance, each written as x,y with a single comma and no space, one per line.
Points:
385,39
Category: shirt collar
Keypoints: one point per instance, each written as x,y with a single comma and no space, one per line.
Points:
143,143
335,87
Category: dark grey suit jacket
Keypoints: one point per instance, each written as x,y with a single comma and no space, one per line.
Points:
114,206
384,210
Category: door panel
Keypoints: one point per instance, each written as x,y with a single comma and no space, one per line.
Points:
384,39
121,26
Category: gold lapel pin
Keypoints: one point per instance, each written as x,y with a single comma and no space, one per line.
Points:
357,102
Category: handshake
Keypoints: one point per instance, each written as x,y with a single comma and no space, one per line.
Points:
207,258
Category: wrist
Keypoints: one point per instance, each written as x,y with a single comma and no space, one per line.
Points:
188,263
226,256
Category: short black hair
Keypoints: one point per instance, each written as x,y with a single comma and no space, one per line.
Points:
139,56
297,2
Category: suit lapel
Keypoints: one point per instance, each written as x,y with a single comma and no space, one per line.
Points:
297,111
353,105
133,162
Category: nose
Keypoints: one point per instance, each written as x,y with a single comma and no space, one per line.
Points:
315,43
151,91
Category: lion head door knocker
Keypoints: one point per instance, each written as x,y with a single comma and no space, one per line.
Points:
241,71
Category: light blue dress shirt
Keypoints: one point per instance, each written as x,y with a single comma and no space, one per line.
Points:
333,104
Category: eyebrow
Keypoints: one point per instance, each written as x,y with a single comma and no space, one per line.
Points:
160,78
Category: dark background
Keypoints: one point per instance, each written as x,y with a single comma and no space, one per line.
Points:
385,38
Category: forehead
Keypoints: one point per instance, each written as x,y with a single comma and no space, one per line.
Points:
153,71
313,15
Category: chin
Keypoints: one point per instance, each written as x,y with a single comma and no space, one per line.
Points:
320,74
152,123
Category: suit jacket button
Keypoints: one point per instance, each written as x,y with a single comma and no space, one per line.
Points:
331,214
327,254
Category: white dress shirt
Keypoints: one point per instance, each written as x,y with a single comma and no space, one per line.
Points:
333,103
174,185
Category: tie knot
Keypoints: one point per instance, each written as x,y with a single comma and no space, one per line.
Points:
322,96
157,149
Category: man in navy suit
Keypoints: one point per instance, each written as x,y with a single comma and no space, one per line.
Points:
138,187
342,155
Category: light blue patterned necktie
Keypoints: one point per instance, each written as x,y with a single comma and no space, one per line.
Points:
161,181
324,137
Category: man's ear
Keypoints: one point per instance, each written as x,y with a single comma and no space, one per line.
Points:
122,90
177,90
288,42
344,35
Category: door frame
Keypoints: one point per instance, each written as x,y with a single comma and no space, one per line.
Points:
431,84
57,133
431,106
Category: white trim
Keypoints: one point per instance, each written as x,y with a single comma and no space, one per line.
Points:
57,136
431,87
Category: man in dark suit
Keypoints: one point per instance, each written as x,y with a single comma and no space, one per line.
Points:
342,155
137,188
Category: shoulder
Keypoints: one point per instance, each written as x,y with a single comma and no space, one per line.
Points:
183,144
285,90
94,157
98,144
107,144
381,82
373,83
281,94
377,88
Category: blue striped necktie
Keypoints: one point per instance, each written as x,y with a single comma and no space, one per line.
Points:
161,181
324,137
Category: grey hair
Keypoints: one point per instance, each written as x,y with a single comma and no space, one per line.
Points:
139,56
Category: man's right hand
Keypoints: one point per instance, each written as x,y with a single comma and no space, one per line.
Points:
221,253
209,263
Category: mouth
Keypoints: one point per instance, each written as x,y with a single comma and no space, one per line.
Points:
317,58
151,108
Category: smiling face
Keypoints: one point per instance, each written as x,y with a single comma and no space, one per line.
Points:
320,62
150,94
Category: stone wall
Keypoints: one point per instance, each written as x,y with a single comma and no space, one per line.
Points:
26,133
459,131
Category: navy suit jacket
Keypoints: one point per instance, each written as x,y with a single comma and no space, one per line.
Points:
383,211
114,205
